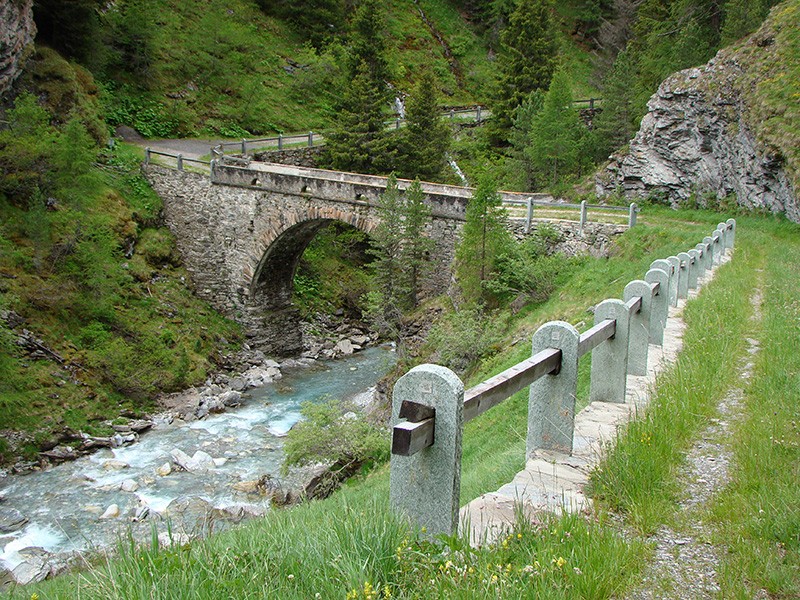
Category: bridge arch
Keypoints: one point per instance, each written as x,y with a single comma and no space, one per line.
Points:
280,247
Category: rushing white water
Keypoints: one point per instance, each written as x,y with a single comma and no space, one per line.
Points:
65,503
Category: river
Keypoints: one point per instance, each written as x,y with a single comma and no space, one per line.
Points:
65,504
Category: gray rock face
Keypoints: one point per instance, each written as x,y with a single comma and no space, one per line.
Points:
696,140
17,31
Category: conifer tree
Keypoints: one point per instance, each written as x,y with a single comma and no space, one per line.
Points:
527,59
416,245
387,246
484,239
556,133
616,124
426,138
520,137
359,141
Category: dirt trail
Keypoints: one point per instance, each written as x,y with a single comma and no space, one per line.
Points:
686,560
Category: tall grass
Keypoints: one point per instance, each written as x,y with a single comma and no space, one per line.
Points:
638,475
758,515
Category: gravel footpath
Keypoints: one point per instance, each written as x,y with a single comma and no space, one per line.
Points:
686,560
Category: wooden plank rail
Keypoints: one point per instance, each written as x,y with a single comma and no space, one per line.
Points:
408,437
596,335
634,304
493,391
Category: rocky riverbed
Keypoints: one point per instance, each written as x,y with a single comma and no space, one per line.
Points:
210,459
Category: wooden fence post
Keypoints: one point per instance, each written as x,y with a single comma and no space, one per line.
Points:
426,486
610,359
551,403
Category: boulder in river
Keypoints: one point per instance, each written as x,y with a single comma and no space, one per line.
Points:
35,566
112,512
11,519
129,485
115,465
164,470
200,461
344,346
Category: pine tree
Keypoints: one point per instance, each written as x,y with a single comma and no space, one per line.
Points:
359,142
367,44
426,138
556,133
387,246
416,245
520,137
527,60
484,239
617,122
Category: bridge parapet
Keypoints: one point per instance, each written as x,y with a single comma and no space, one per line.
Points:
446,201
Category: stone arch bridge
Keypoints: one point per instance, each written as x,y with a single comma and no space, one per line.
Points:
241,233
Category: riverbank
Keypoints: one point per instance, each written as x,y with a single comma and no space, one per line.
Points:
187,477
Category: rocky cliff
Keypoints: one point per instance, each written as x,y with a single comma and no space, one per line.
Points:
17,31
730,128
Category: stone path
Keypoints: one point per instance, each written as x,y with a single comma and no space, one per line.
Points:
554,482
686,561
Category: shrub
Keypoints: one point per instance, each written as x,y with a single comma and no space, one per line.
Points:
336,433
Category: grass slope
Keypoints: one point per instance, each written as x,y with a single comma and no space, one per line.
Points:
352,546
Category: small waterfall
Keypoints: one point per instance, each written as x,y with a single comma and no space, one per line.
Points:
400,106
458,171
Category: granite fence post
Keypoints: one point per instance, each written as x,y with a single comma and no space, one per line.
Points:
179,159
639,326
674,279
723,229
583,215
426,486
147,155
709,252
732,233
529,217
244,147
610,359
551,403
632,212
310,139
694,268
716,246
701,259
660,308
684,261
280,141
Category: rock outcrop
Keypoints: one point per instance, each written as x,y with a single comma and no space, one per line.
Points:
17,31
704,138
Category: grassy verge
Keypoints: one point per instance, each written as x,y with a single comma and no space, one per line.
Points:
758,516
352,545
